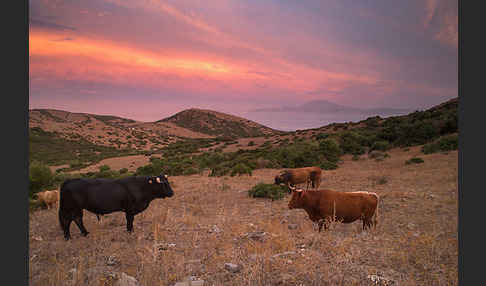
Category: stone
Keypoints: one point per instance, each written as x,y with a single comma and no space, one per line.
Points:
258,235
231,267
198,282
126,280
283,254
112,260
292,226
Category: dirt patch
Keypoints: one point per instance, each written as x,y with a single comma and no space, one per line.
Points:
129,162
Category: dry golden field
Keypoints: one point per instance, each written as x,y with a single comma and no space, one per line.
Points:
211,221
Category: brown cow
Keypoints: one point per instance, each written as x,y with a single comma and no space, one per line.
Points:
346,207
49,198
299,176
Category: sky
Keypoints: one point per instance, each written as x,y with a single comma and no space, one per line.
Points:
149,59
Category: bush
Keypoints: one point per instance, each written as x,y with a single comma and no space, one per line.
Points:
381,146
251,143
123,170
40,177
414,160
330,150
322,136
272,191
352,142
104,168
377,155
446,143
328,165
240,169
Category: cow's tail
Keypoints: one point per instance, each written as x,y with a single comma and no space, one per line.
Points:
375,219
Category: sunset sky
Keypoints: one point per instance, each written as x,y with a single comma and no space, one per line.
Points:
148,59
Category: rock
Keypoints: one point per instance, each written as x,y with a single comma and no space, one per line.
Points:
214,229
283,254
292,226
231,267
125,280
285,279
380,280
164,246
258,235
411,225
198,282
194,266
112,260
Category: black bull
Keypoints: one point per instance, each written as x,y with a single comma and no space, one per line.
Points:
131,195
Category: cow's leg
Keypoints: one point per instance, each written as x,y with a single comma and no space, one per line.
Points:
129,218
78,219
321,223
65,224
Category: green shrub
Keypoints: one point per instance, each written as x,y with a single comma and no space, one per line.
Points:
272,191
321,136
123,171
240,169
381,146
328,165
40,177
251,143
446,143
104,168
414,160
330,150
352,142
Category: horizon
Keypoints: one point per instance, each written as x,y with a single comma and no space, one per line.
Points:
148,60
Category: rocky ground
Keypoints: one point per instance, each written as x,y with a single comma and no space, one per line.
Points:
212,233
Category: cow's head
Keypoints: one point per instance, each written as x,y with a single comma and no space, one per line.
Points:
296,198
163,188
282,178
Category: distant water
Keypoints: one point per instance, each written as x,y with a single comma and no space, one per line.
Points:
291,121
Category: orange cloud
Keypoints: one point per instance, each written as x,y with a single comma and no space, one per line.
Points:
86,58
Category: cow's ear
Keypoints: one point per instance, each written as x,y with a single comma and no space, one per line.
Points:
150,181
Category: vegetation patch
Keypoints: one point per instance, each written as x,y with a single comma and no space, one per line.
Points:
272,191
445,143
414,160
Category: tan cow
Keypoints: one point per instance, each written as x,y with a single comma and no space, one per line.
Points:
48,198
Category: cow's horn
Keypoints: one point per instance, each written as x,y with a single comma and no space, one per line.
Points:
292,188
165,176
158,180
299,190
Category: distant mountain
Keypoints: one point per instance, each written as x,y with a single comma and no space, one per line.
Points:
324,106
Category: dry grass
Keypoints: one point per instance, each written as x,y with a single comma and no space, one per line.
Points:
206,224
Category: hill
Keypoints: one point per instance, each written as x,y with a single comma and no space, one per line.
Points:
218,124
77,139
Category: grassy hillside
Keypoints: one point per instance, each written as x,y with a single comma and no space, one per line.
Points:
52,149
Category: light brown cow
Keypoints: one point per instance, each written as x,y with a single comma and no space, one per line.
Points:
308,175
49,198
322,206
